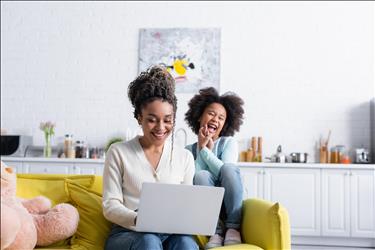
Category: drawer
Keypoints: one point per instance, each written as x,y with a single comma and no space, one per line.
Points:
47,168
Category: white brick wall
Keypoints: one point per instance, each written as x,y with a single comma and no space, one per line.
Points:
302,67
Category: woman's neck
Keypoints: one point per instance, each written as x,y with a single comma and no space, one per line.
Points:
148,146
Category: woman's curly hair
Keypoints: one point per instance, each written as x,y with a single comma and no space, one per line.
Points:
154,84
231,102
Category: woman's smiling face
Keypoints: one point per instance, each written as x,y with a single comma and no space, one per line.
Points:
213,118
157,121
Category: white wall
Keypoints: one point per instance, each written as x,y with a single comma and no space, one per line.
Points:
301,67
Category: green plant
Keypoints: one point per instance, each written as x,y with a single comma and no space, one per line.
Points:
111,141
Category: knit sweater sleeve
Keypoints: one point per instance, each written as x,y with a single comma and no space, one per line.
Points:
228,155
114,209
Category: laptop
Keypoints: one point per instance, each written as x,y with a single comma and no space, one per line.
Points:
179,209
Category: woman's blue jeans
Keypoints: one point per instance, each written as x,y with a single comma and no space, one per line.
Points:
125,239
230,179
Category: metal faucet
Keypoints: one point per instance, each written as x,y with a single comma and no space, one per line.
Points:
185,134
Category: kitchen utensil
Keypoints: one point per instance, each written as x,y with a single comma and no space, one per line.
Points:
254,143
299,157
278,157
260,149
323,154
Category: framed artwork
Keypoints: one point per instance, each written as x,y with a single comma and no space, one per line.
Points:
192,56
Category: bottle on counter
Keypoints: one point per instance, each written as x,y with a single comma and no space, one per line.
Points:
94,153
68,146
80,149
334,155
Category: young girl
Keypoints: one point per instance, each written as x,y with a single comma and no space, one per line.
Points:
214,119
146,158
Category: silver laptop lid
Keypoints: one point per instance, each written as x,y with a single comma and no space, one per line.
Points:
179,209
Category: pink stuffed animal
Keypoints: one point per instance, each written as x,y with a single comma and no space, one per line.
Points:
27,223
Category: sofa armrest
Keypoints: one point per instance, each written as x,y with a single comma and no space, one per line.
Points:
265,224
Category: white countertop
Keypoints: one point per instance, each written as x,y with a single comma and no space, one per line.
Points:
41,159
241,164
306,165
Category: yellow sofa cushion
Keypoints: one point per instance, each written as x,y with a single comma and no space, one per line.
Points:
50,185
267,224
93,228
97,186
279,227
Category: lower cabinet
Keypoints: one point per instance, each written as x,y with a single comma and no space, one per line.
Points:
87,168
297,189
362,200
57,166
253,182
349,203
325,206
335,202
46,168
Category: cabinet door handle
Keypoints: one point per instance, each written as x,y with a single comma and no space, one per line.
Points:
351,174
264,172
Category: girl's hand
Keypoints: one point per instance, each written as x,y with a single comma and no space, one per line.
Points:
203,137
210,144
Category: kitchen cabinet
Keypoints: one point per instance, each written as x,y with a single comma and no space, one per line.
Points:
362,191
253,182
297,189
87,168
335,202
46,168
328,204
349,203
33,165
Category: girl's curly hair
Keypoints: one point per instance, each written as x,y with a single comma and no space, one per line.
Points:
154,84
231,102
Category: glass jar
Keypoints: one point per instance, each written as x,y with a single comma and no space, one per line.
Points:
80,151
341,151
334,155
68,144
71,152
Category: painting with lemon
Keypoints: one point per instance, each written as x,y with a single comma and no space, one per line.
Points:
192,56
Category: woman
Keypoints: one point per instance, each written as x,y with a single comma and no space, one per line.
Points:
146,158
214,119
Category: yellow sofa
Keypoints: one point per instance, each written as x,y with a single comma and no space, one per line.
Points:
265,225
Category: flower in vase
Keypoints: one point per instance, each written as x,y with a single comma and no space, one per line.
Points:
49,129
